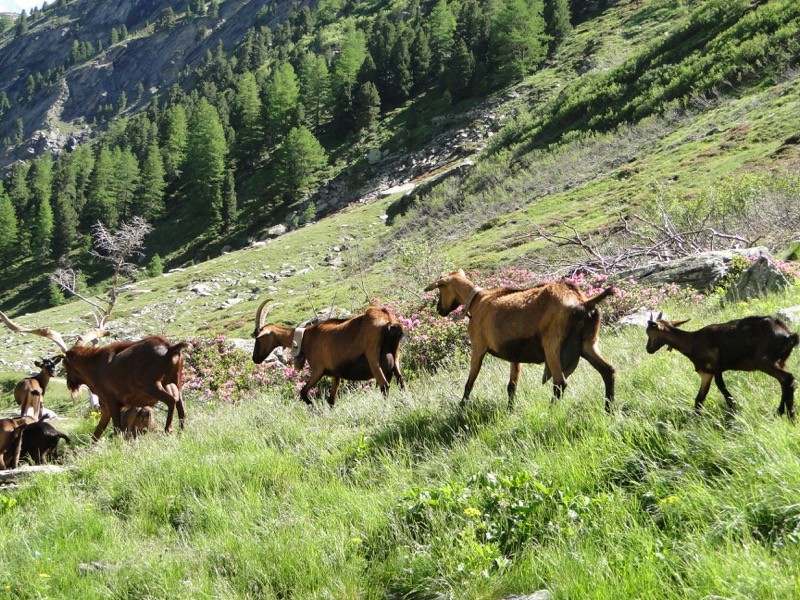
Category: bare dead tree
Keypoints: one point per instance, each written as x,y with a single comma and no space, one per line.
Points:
631,242
115,248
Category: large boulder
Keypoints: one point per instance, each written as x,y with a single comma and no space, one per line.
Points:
701,271
761,277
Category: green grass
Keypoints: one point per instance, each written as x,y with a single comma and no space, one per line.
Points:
371,499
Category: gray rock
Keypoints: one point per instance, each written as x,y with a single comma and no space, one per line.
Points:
540,595
274,231
757,280
332,312
702,271
637,318
231,302
374,156
790,314
226,249
202,289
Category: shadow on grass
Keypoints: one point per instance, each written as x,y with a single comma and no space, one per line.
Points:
419,432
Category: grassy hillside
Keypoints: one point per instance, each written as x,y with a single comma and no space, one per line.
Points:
413,497
410,496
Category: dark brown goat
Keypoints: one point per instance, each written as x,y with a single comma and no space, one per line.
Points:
29,393
552,323
357,349
140,373
749,344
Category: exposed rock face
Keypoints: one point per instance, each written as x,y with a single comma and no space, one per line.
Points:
702,271
790,314
148,56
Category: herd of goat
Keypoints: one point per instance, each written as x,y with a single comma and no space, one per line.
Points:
552,323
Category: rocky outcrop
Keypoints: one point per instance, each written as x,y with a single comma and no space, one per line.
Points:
702,272
760,278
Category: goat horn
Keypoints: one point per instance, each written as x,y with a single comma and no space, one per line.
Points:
261,314
660,314
45,332
91,336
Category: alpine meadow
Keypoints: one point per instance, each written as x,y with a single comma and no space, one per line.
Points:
294,296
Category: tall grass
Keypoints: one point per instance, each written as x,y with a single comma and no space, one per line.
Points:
413,497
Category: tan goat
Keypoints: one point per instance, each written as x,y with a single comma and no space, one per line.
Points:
552,323
137,420
29,393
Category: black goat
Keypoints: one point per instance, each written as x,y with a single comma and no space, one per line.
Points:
40,441
749,344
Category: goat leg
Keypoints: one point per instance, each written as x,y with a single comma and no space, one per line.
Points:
105,417
513,378
335,381
705,385
724,390
312,381
474,368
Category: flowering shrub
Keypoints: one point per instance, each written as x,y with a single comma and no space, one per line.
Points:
215,371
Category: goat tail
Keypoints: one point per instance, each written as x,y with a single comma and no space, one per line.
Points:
794,339
595,300
64,436
392,335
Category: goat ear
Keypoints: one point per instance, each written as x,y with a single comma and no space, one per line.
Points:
57,359
461,272
38,363
679,323
433,286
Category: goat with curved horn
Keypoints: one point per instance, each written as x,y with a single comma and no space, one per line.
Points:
45,332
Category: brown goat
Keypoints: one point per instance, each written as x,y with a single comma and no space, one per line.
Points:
357,349
139,373
11,440
551,323
137,420
749,344
29,393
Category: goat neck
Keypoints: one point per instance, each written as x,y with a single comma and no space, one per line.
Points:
677,339
465,291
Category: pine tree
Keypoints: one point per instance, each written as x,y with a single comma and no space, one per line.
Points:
64,201
400,78
281,101
8,225
150,198
460,70
176,135
366,107
126,181
558,18
22,24
518,38
114,36
247,121
420,59
205,163
315,87
302,157
229,209
18,189
40,180
352,52
100,203
441,31
213,9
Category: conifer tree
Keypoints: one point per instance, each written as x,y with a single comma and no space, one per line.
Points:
352,52
442,25
558,18
18,189
315,87
8,225
229,208
176,135
40,180
460,70
43,230
366,107
281,100
420,58
100,203
302,157
519,38
400,78
64,201
205,163
247,121
150,197
126,181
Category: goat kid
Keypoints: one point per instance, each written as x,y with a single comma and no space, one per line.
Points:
29,393
137,420
551,323
357,349
40,441
749,344
10,440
